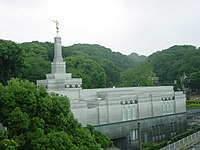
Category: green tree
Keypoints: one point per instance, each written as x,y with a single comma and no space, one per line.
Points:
137,58
34,63
5,143
138,75
170,64
37,60
35,68
38,120
99,137
112,72
193,82
93,74
11,60
97,53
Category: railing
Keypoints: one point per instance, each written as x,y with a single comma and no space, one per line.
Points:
184,143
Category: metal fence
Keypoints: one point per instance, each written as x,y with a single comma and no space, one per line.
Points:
183,143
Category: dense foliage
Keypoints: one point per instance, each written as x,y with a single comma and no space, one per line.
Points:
37,60
37,120
111,63
158,145
154,145
100,67
136,58
181,63
193,81
92,74
193,103
11,60
97,65
138,75
99,53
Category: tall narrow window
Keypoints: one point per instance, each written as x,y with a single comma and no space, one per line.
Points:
175,128
163,130
133,112
124,113
164,110
168,107
153,133
129,112
172,107
134,134
172,129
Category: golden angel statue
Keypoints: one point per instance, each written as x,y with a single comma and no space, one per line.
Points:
57,24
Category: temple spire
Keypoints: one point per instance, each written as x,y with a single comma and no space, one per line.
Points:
57,66
59,79
57,50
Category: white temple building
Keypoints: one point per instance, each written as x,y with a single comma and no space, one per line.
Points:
117,111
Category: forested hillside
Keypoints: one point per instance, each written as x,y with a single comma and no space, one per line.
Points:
101,67
180,63
96,65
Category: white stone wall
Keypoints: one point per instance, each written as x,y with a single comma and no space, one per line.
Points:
144,106
93,116
180,102
103,106
103,115
156,104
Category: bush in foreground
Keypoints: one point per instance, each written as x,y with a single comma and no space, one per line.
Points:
38,120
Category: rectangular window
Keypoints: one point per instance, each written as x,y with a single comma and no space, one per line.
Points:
134,134
172,107
124,113
153,133
168,107
129,112
164,110
133,112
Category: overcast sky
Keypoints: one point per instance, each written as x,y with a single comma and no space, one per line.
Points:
126,26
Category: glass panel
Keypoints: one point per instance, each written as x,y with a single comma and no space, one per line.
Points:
129,112
133,112
124,113
134,134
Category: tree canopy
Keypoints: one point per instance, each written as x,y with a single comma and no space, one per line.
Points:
92,74
171,64
11,60
98,66
31,61
38,120
139,75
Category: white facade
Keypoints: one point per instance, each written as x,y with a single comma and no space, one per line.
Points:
110,105
104,106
